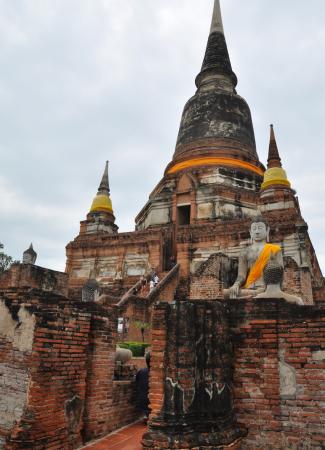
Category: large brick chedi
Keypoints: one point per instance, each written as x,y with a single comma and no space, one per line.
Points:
223,373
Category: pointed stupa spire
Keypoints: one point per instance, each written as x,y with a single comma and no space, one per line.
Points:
275,174
104,184
102,201
216,24
216,61
274,159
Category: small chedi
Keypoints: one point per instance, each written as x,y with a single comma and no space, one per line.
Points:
219,278
29,255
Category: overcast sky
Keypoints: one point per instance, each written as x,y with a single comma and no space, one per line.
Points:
82,81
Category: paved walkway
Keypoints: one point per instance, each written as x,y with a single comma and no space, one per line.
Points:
129,438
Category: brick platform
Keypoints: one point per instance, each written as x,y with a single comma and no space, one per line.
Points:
128,438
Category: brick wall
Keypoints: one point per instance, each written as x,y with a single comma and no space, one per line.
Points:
108,404
207,287
15,358
124,403
297,281
157,362
30,276
57,386
98,413
280,374
52,351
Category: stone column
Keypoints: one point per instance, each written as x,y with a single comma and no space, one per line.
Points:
191,378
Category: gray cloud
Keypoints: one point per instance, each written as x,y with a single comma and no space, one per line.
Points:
83,81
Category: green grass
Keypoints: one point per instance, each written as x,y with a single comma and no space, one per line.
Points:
137,348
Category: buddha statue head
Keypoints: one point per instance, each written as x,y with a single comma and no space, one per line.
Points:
259,230
273,273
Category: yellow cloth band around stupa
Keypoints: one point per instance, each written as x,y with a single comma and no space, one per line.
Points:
257,270
101,202
216,162
275,175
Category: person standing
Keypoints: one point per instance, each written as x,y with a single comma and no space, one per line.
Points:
156,280
142,387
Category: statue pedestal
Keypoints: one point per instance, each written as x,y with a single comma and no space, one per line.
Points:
191,378
172,439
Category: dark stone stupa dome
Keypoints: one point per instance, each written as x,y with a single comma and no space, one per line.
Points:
216,121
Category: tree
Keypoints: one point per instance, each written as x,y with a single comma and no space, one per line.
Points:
142,326
5,260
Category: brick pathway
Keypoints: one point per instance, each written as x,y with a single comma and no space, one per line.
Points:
129,438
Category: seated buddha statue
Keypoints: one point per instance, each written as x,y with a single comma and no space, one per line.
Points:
273,278
252,262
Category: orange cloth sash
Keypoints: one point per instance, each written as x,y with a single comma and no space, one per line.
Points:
259,266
